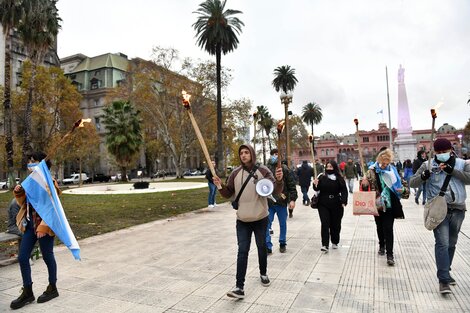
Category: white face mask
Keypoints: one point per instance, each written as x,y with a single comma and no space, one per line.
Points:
443,157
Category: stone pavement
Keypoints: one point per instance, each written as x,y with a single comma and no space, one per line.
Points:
188,263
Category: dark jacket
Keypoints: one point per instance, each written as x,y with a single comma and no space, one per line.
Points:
289,192
350,171
417,162
305,173
331,191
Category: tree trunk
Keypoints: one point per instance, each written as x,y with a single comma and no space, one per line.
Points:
269,142
124,174
264,150
27,149
313,141
8,115
220,145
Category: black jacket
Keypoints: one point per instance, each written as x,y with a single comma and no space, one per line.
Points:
332,189
305,173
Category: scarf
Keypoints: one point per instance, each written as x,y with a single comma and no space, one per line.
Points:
390,181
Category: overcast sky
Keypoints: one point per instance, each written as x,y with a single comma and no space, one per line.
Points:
339,49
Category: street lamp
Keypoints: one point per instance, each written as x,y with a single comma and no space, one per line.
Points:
255,119
286,98
460,143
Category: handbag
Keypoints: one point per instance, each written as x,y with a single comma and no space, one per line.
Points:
314,200
435,210
251,174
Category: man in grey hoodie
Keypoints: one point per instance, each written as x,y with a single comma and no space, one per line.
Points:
252,213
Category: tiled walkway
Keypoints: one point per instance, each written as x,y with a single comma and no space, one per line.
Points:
187,264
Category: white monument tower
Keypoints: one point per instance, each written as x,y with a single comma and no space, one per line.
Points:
405,144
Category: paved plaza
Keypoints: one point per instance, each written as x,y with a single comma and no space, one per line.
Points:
187,264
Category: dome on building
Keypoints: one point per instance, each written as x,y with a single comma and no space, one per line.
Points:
328,136
446,129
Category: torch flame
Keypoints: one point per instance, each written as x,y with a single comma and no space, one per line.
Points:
437,106
356,121
280,126
186,97
83,121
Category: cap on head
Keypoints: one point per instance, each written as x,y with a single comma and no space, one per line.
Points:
442,144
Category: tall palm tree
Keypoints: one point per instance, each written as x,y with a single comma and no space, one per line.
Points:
123,133
216,32
285,80
38,30
312,114
262,114
10,15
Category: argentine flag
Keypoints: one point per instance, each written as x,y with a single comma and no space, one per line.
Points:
41,193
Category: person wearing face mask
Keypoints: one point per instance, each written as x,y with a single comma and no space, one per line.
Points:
34,229
333,197
383,178
286,199
446,233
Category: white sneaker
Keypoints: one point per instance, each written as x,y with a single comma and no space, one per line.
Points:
324,249
334,246
211,205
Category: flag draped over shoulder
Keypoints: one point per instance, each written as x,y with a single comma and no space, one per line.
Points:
42,195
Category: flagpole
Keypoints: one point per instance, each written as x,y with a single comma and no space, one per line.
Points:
389,116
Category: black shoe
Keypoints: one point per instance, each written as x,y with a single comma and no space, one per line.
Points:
236,293
390,261
444,288
282,248
265,280
381,251
452,281
416,201
26,297
290,213
269,250
50,293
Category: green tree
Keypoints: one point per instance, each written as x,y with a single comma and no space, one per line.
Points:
123,133
10,16
284,79
217,30
312,115
38,30
266,122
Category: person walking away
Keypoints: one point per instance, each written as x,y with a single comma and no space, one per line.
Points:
407,170
286,199
358,169
305,173
383,178
350,172
399,166
332,199
420,159
252,213
212,188
34,229
446,233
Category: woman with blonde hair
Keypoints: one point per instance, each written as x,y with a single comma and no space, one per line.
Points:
383,178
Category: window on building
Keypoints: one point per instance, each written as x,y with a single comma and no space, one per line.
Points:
365,139
322,151
97,123
97,73
327,152
97,102
95,83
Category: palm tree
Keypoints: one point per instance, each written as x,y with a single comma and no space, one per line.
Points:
123,134
10,15
285,80
311,114
216,32
262,113
38,30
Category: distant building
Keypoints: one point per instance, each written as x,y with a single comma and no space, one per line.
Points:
340,148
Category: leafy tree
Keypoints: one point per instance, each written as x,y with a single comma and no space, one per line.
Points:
284,79
123,133
38,30
266,122
312,115
10,15
217,30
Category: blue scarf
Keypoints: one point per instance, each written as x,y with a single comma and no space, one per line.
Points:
390,181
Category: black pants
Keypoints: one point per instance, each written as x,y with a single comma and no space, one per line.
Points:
331,214
384,223
244,231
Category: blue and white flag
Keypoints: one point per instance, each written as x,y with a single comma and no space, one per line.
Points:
41,193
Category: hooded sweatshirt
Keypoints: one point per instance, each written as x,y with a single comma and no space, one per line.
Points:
251,206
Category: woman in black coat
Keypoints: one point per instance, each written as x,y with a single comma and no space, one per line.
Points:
332,199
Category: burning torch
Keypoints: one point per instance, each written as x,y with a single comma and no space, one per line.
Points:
311,140
78,124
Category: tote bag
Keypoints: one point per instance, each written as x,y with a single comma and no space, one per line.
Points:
364,203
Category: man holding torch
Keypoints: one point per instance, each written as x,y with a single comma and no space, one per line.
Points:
252,212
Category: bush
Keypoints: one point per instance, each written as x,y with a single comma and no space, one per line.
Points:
141,185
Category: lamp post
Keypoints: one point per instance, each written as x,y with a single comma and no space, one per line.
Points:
460,143
255,119
286,99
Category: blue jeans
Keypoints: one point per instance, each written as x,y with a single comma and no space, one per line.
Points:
422,189
212,191
304,190
446,235
46,244
244,231
350,184
281,212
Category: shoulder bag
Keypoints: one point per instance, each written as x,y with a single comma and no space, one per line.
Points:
251,174
435,210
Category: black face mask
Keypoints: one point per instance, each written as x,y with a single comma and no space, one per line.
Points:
329,172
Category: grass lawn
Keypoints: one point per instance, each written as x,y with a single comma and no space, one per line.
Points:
91,215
